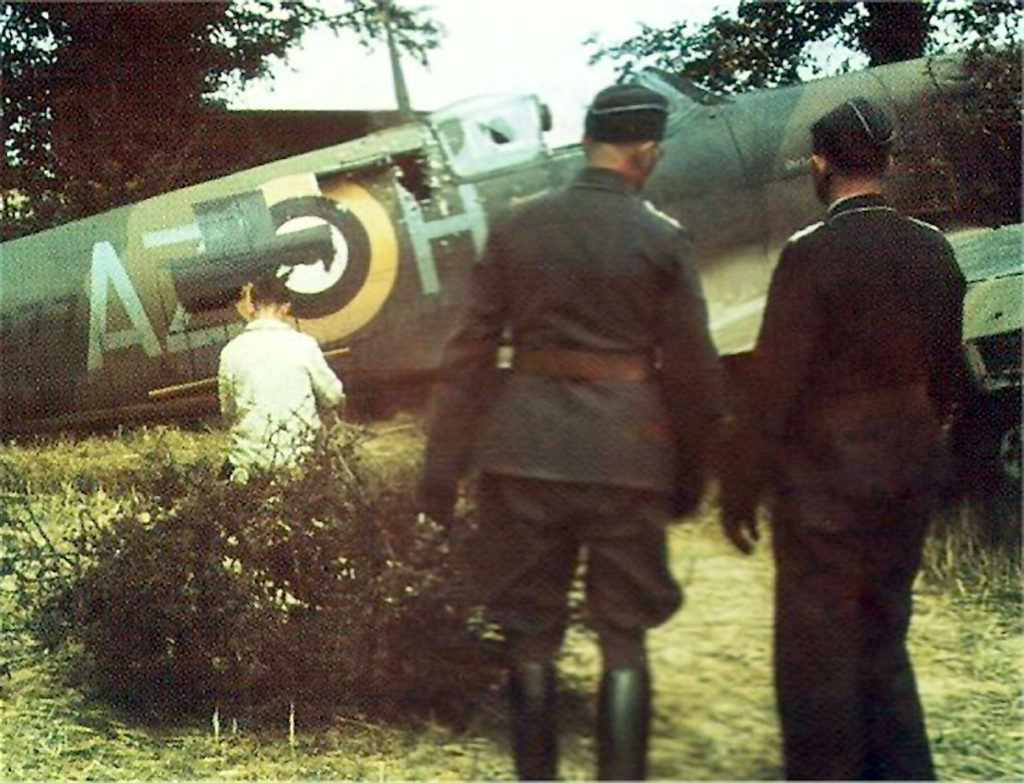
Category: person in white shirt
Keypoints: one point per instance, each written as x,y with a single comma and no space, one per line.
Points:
273,383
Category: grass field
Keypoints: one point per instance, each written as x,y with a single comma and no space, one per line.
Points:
711,665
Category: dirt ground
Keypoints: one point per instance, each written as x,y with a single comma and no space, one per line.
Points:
714,705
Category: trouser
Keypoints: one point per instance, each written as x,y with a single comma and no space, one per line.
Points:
533,533
847,697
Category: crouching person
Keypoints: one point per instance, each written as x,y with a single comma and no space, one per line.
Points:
273,383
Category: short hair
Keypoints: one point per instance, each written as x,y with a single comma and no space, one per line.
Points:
270,289
856,137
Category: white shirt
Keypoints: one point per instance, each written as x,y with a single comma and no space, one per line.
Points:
271,380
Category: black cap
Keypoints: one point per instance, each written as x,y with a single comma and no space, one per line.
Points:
855,135
627,112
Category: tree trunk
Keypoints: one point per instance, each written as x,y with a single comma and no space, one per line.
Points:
895,31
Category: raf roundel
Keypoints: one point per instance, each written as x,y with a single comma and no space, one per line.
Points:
322,288
333,300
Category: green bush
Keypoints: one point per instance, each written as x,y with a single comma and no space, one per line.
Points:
315,587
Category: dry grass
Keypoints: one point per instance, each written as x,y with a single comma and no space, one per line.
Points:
975,550
88,463
714,704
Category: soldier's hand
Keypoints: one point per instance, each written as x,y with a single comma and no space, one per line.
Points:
741,530
742,477
437,500
685,500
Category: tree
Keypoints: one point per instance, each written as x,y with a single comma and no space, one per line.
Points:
104,103
767,44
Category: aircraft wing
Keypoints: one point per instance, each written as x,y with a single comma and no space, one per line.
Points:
993,265
991,260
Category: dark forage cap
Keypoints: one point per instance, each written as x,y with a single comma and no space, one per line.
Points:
854,134
625,113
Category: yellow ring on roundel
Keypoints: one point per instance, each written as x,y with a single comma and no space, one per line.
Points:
382,271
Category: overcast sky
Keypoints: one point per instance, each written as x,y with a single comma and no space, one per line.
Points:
491,46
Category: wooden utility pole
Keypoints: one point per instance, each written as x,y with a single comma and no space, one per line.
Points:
401,91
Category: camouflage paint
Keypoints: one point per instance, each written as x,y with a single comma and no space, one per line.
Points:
98,313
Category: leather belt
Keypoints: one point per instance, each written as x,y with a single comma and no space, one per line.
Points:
583,365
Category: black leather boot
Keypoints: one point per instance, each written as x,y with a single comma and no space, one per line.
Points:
623,717
531,690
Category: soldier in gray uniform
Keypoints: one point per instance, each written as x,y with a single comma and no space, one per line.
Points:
857,368
595,440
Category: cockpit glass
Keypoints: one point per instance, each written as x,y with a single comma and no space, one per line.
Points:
490,133
452,135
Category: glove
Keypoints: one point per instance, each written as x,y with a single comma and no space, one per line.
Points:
699,451
437,499
687,494
741,529
741,482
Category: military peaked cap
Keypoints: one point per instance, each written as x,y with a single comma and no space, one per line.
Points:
625,113
853,133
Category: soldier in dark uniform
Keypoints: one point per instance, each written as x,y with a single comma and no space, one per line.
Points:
857,368
580,450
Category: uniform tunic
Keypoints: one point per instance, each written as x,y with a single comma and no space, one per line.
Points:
589,268
857,362
865,301
569,461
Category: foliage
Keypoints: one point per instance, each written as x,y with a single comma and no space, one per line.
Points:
988,126
973,138
715,709
188,591
103,103
771,44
